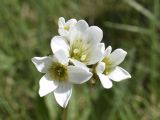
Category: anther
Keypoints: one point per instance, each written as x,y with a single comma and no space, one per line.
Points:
75,51
83,57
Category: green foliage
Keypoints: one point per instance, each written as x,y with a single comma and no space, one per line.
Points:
26,28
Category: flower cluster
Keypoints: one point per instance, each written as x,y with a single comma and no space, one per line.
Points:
78,56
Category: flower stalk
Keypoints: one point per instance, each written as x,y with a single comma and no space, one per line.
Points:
65,113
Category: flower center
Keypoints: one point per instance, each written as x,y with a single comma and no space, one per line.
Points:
107,65
66,28
80,50
58,71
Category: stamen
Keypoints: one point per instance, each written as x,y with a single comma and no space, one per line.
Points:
59,72
83,57
75,51
80,50
107,72
107,65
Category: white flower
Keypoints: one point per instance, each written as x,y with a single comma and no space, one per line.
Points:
64,27
83,45
59,76
108,69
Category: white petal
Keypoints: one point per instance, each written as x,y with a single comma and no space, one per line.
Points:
59,43
105,81
71,22
96,54
81,25
61,57
78,75
75,34
62,32
119,74
100,67
108,51
61,22
42,63
117,57
46,85
79,64
63,93
94,34
102,47
78,31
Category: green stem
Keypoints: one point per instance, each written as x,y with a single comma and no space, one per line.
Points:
65,113
154,38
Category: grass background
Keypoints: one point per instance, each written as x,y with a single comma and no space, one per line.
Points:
26,28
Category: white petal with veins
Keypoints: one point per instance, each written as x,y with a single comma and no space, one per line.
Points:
79,64
81,25
96,54
78,75
47,85
63,93
119,74
59,43
42,63
94,34
61,22
100,67
62,57
105,81
117,57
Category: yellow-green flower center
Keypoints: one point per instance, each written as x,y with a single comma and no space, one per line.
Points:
80,50
107,65
66,28
58,71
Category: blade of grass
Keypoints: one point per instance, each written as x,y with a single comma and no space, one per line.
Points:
142,10
154,40
126,27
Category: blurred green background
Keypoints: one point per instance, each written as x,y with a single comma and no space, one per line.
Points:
26,28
